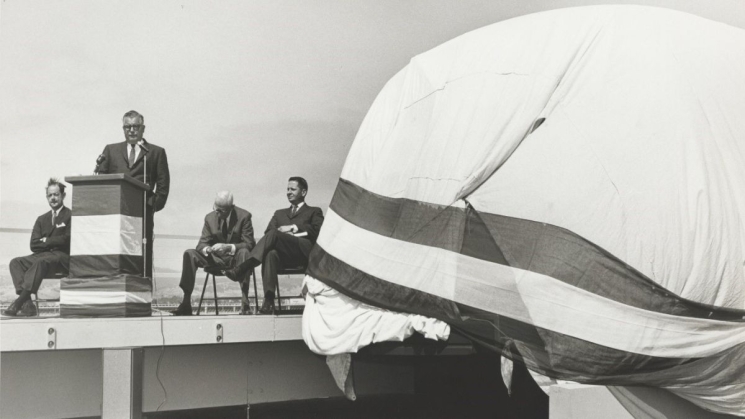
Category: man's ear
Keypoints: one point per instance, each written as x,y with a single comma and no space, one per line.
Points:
304,192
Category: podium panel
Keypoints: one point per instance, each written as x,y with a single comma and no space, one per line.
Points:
110,296
106,228
106,252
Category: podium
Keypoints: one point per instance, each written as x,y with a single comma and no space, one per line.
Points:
106,253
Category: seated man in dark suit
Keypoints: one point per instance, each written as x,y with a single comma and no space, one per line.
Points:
287,241
50,244
227,238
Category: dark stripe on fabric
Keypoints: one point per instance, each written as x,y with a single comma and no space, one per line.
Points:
558,355
548,352
528,245
374,291
566,256
400,219
478,242
107,198
85,266
106,310
128,283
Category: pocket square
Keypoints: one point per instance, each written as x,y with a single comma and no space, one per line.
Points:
61,225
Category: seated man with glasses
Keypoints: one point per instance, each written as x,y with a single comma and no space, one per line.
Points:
227,238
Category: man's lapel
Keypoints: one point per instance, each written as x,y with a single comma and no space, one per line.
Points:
299,210
125,156
47,227
64,213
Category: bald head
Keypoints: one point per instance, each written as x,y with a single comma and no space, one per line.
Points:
224,199
223,203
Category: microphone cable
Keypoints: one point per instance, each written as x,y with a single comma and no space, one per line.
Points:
162,335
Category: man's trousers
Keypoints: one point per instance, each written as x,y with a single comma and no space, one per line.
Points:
28,271
276,250
194,260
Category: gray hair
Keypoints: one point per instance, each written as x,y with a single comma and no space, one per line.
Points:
134,114
224,199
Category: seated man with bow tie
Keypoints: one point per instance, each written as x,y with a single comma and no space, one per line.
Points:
50,244
287,241
227,238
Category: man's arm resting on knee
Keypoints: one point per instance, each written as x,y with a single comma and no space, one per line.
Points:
204,246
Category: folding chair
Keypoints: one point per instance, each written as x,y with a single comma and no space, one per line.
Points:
217,271
297,270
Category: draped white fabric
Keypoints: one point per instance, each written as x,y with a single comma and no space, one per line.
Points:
343,325
620,124
642,151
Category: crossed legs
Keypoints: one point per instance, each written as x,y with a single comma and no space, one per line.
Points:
272,251
29,271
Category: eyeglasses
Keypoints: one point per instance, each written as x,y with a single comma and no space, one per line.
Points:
130,127
221,210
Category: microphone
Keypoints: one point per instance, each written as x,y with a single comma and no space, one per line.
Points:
143,148
99,160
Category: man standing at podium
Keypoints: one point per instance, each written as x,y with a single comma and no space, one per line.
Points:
129,157
50,244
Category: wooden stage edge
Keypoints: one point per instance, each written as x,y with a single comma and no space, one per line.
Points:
54,333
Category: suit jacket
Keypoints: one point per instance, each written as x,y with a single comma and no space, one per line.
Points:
57,235
240,230
307,219
158,177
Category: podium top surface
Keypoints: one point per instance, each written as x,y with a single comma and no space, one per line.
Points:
104,178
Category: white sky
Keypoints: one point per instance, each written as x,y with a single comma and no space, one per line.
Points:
241,94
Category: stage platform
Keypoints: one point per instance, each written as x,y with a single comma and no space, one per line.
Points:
58,368
44,333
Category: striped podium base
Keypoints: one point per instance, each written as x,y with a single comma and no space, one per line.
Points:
106,261
108,296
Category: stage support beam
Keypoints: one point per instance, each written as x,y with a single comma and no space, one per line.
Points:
122,383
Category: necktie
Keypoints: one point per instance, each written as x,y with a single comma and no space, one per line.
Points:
293,211
131,155
54,218
224,229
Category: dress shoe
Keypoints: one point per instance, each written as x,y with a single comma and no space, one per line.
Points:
235,273
245,309
232,274
184,309
28,310
267,307
12,310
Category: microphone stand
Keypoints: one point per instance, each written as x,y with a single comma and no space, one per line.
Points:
145,243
